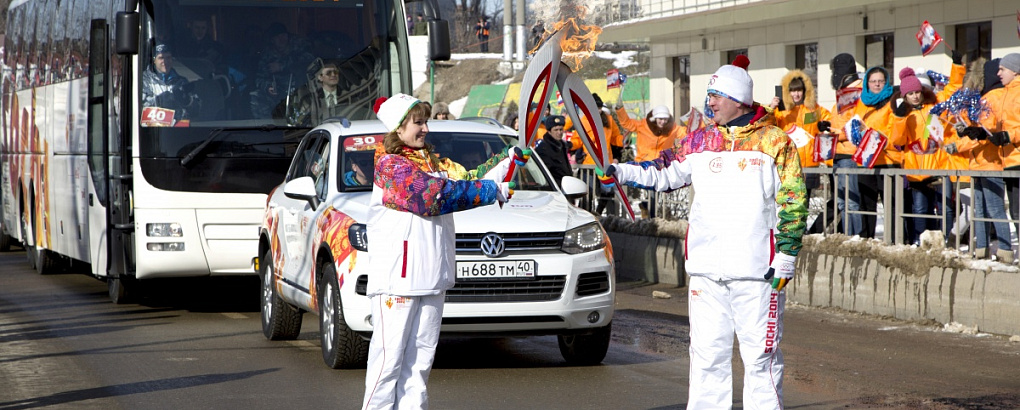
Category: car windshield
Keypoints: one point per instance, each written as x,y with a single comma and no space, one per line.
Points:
467,149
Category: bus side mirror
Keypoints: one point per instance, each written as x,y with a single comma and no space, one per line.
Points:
127,32
439,40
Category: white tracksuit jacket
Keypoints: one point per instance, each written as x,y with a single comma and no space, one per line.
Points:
749,202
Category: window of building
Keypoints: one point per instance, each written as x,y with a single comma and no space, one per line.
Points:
681,85
806,60
974,40
730,55
878,51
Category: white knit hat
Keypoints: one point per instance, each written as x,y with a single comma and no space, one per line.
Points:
660,112
733,82
392,111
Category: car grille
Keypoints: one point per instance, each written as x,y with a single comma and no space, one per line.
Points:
541,288
470,243
592,283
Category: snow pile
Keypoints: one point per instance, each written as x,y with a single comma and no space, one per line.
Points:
955,327
620,60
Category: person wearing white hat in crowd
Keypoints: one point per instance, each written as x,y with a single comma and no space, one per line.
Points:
744,234
412,256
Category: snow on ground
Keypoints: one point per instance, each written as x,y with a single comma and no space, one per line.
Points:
470,56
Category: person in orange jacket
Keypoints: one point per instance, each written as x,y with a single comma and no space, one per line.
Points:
658,131
847,84
1004,123
911,118
989,192
615,140
875,111
911,121
802,110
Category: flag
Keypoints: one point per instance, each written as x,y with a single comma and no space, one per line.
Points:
612,79
559,99
928,38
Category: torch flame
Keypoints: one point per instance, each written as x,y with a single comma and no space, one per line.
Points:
579,41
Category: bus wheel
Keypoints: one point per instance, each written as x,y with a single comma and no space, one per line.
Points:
30,253
342,348
280,320
5,242
120,289
45,262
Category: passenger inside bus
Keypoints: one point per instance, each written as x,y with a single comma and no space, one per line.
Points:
281,69
317,101
163,87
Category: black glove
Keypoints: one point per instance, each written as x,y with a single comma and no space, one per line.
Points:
957,57
598,100
903,109
975,133
823,126
999,138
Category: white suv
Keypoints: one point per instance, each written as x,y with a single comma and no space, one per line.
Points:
535,266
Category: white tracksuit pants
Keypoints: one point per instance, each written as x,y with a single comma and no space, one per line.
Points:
752,310
403,347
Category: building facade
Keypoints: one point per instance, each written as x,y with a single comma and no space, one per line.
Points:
690,39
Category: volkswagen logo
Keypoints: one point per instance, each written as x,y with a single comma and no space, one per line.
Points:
492,245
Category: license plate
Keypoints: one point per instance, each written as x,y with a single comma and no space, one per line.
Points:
496,269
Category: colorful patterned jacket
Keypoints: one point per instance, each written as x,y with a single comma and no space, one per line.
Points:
750,199
412,242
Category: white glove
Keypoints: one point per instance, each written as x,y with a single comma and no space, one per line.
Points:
782,270
498,172
504,190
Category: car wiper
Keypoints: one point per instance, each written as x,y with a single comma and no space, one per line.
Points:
216,132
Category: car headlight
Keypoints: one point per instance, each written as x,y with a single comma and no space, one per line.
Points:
163,230
585,238
358,235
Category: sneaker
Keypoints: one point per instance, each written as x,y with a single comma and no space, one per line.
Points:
980,253
1004,256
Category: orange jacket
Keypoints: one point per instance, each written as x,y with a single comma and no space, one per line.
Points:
881,119
839,120
613,138
912,128
984,156
1004,104
648,144
807,119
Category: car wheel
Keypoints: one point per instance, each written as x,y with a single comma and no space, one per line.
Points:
586,349
342,348
280,320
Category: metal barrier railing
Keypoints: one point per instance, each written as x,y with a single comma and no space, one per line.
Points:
896,220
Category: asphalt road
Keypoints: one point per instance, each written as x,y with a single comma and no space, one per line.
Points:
197,344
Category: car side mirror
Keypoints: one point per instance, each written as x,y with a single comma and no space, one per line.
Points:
302,189
573,187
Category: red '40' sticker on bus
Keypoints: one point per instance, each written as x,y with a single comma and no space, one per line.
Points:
157,117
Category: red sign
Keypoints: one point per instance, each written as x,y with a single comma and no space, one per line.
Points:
157,117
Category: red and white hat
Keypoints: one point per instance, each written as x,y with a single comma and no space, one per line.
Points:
393,110
733,82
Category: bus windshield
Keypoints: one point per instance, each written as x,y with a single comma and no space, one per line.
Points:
228,87
221,63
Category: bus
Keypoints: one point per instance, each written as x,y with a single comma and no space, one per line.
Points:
142,138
